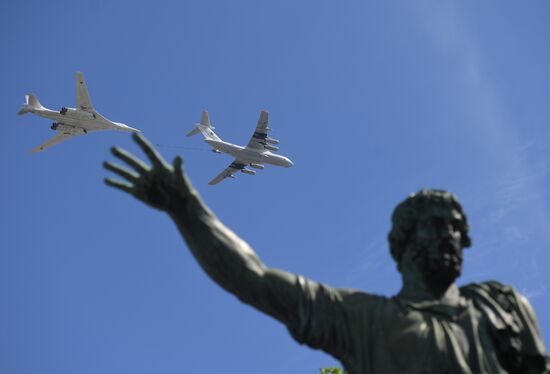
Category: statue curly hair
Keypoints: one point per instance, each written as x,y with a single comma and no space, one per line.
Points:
407,213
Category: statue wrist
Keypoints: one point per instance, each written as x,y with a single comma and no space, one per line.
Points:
182,204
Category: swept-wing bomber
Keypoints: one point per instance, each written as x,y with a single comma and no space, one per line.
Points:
69,122
255,154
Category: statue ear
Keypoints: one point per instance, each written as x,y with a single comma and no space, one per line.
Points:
407,259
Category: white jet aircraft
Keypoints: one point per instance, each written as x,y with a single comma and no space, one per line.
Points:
255,154
72,121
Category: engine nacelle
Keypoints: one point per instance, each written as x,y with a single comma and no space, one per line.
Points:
77,114
272,141
68,129
271,147
216,151
257,166
248,171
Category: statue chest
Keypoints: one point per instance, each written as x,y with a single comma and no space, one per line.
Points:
431,340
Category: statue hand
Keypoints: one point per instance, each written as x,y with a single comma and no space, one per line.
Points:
161,186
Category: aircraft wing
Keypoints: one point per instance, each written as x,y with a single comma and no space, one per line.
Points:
58,138
258,140
227,172
82,98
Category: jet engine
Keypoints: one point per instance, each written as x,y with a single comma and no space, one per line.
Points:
272,141
77,114
271,147
257,166
216,151
68,129
248,171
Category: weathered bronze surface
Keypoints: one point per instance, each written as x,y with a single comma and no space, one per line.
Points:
430,326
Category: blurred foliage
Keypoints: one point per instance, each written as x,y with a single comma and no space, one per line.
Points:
332,370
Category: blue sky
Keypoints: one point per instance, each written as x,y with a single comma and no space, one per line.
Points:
371,100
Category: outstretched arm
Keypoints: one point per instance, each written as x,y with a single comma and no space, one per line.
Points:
313,313
225,257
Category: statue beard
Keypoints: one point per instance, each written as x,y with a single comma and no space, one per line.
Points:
441,263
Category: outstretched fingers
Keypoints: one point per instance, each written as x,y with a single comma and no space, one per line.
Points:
119,185
130,159
126,174
149,150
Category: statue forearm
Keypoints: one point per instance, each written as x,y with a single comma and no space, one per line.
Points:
232,264
225,257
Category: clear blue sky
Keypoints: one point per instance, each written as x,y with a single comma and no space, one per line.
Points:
371,100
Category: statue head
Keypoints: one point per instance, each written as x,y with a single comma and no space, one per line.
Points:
431,230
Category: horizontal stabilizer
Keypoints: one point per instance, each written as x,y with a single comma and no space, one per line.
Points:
205,122
195,131
205,127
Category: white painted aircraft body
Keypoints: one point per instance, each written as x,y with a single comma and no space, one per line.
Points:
254,154
72,121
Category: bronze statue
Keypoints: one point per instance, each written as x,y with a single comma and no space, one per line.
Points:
430,326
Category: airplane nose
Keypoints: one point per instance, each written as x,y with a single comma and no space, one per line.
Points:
289,163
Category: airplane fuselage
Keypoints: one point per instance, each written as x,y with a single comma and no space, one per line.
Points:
79,119
249,155
69,122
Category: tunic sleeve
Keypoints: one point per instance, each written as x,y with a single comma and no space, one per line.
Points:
323,318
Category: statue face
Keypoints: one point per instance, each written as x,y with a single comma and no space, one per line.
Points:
437,244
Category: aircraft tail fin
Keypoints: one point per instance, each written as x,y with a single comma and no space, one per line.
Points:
31,103
205,127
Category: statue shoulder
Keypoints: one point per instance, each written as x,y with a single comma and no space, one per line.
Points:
513,325
493,290
503,300
488,286
493,294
